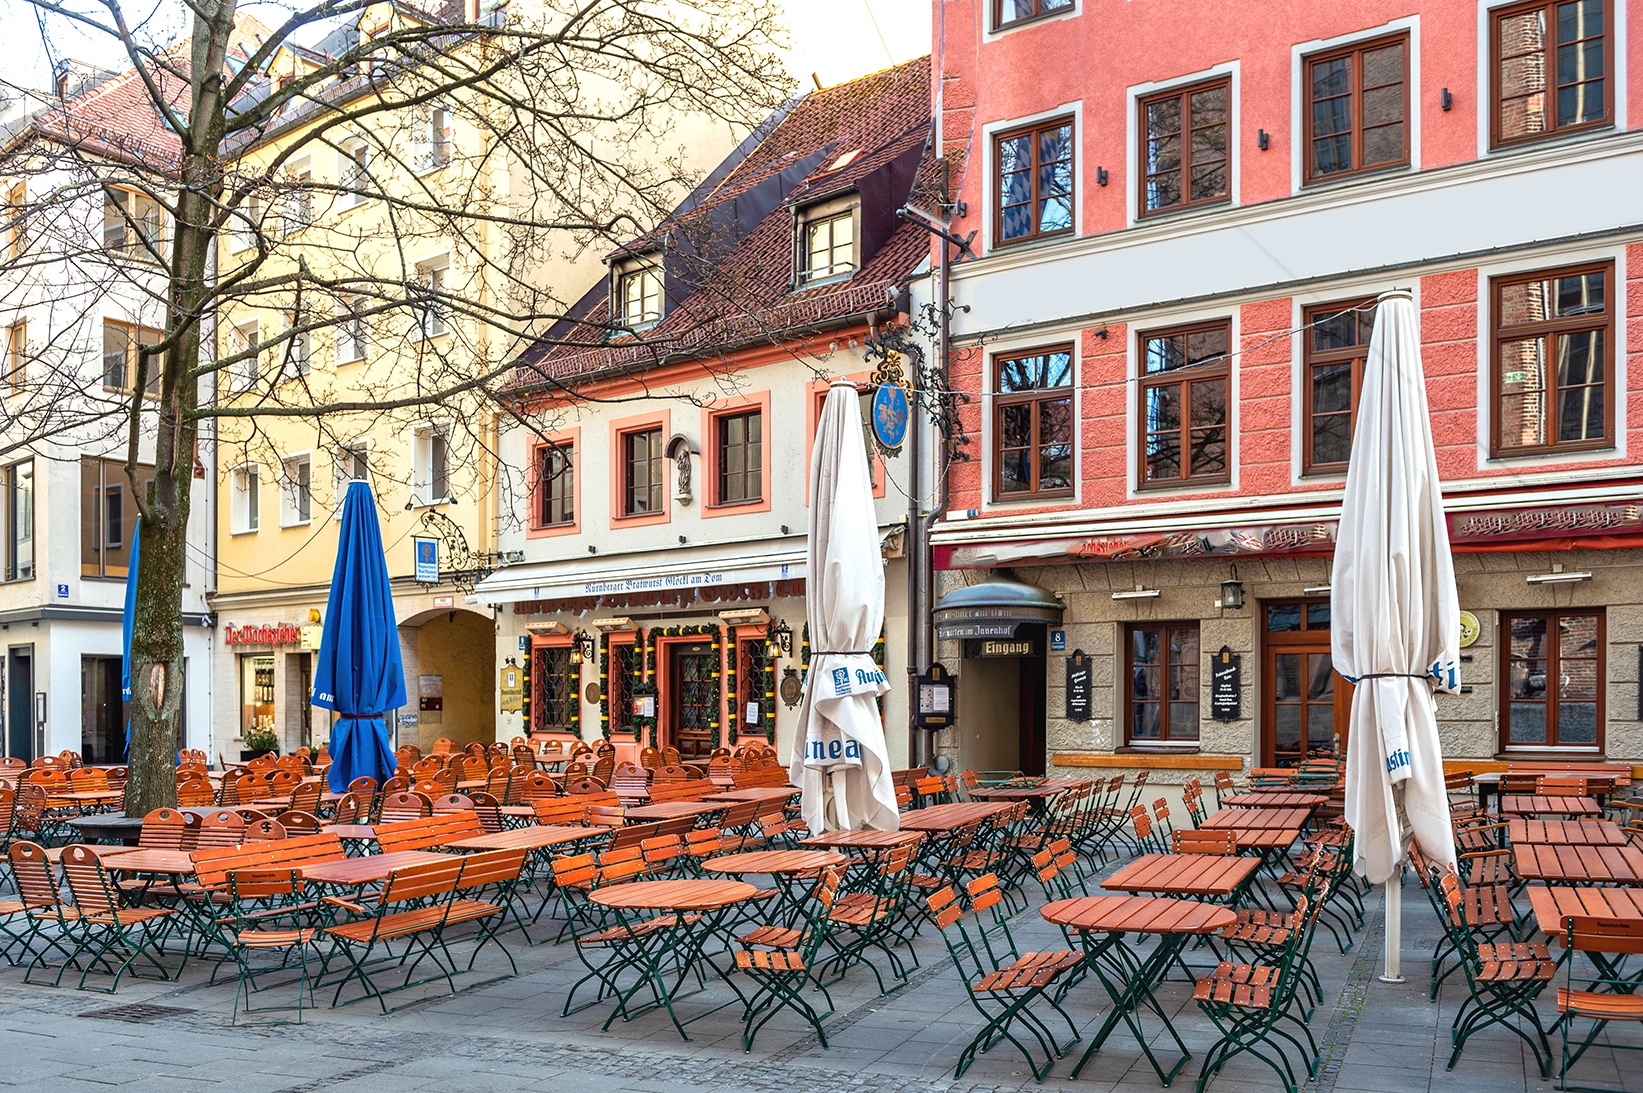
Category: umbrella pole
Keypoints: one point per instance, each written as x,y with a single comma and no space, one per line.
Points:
1394,926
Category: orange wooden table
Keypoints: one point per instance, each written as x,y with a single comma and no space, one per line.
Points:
1274,799
943,818
862,840
1048,788
353,872
672,810
693,911
1565,832
1578,864
1255,819
1520,805
1214,876
755,793
176,863
1551,905
528,838
1102,922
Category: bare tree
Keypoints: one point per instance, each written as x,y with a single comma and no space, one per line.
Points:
367,183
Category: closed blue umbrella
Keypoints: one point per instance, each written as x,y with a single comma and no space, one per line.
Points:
128,619
360,674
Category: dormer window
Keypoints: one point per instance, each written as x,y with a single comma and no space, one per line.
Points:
827,242
638,296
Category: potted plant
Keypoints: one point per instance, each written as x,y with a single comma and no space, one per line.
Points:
259,742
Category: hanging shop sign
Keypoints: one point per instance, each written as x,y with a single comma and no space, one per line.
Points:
1078,686
1226,685
936,689
427,560
791,687
511,686
890,415
311,636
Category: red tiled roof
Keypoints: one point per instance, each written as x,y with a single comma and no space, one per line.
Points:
747,295
118,119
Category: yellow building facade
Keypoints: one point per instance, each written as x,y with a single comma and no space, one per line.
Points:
383,265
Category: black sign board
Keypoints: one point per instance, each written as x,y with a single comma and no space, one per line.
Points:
1078,686
937,692
1226,685
1002,647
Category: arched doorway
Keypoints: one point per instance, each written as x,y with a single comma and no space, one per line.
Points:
453,683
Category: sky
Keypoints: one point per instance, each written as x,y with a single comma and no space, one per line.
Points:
835,39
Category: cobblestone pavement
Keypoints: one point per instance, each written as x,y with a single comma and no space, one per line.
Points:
509,1036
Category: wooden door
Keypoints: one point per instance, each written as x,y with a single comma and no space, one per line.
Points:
693,699
1305,704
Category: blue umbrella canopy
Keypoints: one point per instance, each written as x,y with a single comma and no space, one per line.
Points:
128,619
360,673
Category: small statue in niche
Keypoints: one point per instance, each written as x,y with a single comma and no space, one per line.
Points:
682,458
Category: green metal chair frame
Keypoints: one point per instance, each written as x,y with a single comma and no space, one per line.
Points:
1503,980
411,908
1247,1001
102,930
1003,992
780,960
257,897
1603,995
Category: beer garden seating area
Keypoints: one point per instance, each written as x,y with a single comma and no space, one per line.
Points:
668,893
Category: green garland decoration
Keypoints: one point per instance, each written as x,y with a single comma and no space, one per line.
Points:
878,658
768,713
604,686
576,700
730,682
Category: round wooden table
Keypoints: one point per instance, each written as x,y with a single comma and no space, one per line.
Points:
1101,923
794,872
694,909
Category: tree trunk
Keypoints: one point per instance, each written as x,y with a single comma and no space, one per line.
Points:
157,635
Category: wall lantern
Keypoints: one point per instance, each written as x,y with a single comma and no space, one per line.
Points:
1232,591
781,644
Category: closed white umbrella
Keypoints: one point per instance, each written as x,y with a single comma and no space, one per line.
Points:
839,757
1395,626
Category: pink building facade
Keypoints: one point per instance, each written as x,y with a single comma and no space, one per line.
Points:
1183,213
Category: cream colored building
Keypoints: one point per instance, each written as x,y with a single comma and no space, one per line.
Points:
411,234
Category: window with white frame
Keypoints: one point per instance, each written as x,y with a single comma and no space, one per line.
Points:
245,500
248,223
242,342
298,343
431,311
299,202
433,465
638,296
353,461
354,172
827,242
296,490
431,138
351,329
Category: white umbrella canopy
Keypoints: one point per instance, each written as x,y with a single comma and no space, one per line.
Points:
839,757
1395,614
